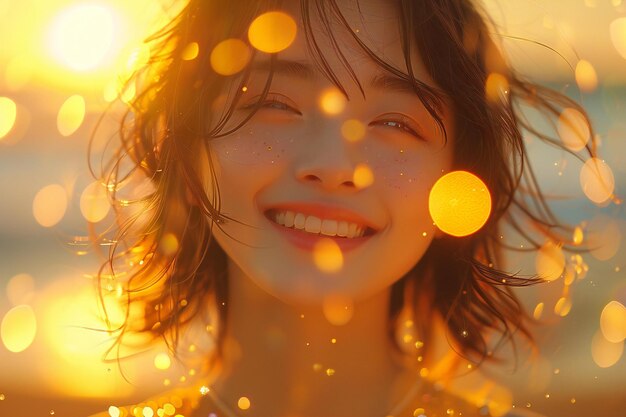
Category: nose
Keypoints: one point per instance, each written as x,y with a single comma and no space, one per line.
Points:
328,161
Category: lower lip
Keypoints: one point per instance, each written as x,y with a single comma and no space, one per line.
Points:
307,241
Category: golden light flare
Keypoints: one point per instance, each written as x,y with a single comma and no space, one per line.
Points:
69,322
586,76
563,306
597,181
94,202
127,92
20,289
81,35
569,275
578,235
550,261
363,176
169,244
573,129
71,115
332,101
338,309
499,401
459,203
162,361
618,35
138,57
272,32
327,256
114,411
243,403
8,115
19,71
18,328
230,56
604,237
496,88
613,322
49,205
605,354
191,51
538,311
353,130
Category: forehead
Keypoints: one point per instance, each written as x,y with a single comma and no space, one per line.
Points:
342,36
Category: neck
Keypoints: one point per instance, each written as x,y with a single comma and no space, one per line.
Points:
291,359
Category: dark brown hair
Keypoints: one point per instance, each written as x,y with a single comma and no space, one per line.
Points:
170,121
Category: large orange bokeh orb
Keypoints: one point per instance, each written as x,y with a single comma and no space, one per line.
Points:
459,203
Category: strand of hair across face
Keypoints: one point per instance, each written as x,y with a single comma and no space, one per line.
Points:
395,411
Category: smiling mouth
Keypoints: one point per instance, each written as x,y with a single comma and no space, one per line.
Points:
318,226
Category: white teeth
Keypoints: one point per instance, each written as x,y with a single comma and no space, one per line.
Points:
299,221
289,218
329,227
313,224
316,225
352,230
342,229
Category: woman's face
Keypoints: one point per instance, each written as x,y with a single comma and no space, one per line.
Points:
291,166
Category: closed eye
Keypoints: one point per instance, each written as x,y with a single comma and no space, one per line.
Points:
398,122
273,102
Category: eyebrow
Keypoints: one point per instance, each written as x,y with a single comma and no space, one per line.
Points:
306,71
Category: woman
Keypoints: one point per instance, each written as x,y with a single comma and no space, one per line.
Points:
290,203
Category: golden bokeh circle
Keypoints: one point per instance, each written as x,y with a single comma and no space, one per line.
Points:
459,203
272,32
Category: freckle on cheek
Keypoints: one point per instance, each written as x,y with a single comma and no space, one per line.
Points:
252,149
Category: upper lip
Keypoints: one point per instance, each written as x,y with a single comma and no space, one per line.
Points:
324,211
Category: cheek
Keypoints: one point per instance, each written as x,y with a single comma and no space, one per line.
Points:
407,173
253,147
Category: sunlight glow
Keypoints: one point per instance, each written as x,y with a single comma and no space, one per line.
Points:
8,114
618,35
550,261
20,289
94,202
18,328
230,56
605,354
338,309
71,115
353,130
586,76
573,129
597,180
81,35
459,203
327,256
49,205
272,32
363,176
613,322
332,101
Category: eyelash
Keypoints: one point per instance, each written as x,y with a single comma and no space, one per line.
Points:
402,124
273,102
276,102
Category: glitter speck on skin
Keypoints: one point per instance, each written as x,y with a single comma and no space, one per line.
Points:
330,372
2,397
204,390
